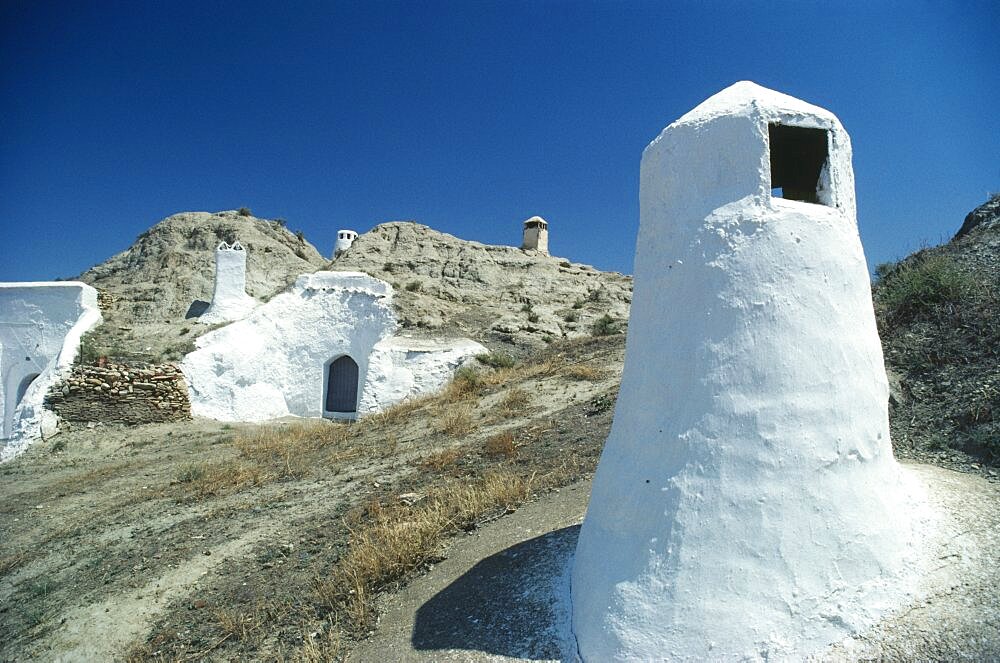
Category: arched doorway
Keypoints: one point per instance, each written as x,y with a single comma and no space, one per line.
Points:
342,385
22,388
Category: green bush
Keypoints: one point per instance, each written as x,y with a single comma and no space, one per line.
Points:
604,326
413,286
910,289
496,360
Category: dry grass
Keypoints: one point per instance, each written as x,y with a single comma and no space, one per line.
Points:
222,478
11,561
587,372
291,449
501,445
393,415
521,372
466,385
456,421
514,400
394,540
270,453
319,647
442,460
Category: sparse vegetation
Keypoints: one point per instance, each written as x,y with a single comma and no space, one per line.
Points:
572,316
244,211
938,313
467,384
496,360
533,317
328,483
916,287
604,326
414,286
587,372
396,540
456,421
514,400
501,445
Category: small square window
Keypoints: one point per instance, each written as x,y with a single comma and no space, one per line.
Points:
798,155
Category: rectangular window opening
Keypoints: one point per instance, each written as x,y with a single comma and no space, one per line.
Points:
798,155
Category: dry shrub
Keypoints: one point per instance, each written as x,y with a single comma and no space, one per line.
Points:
466,385
11,561
395,540
503,376
456,422
323,647
583,372
392,415
290,450
224,477
442,460
514,400
501,445
246,624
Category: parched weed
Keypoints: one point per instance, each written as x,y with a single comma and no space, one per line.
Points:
394,540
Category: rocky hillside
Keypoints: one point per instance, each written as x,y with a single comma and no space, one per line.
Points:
153,289
939,317
500,295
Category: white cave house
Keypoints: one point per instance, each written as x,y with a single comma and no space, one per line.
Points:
747,504
324,348
40,328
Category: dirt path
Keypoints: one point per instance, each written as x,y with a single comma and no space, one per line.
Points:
502,593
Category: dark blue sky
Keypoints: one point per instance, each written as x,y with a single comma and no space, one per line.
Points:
467,116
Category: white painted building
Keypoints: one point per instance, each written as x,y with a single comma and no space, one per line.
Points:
230,300
344,240
40,329
325,348
747,505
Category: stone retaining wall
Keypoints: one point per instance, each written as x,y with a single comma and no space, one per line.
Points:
121,394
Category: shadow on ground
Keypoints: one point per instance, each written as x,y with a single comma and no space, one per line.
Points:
514,603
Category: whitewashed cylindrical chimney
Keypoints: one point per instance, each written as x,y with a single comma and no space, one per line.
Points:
344,240
536,235
230,300
747,504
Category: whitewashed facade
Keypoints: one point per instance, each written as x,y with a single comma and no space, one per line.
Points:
41,324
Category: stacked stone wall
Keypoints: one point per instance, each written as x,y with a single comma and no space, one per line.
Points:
121,394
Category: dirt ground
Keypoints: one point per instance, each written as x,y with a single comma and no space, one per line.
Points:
187,541
502,595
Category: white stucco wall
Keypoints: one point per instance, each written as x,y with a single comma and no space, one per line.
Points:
230,300
747,504
40,329
273,363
